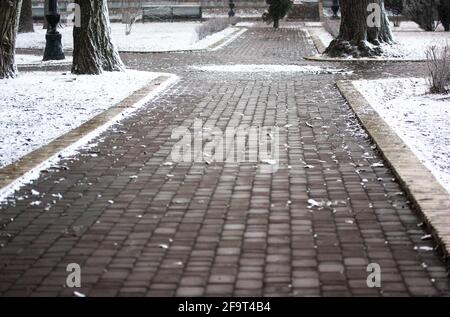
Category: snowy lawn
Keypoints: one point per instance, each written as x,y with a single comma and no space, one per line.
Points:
411,41
144,37
38,107
413,45
420,119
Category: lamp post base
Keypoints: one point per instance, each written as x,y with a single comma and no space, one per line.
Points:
53,47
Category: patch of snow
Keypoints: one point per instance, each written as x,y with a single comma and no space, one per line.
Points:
422,120
253,68
38,107
313,24
410,45
413,45
246,24
144,37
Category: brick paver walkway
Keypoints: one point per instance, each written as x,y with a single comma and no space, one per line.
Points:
228,229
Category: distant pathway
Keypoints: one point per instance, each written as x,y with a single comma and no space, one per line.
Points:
139,227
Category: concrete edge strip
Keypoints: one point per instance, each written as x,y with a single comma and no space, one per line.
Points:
431,201
27,168
320,46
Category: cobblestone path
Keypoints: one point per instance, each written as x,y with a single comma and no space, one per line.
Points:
139,227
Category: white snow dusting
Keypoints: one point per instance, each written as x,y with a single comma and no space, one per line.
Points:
144,37
422,120
253,68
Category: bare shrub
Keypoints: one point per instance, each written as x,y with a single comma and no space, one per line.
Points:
214,25
438,63
130,17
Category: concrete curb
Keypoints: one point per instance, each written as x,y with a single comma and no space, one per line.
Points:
429,198
12,174
320,46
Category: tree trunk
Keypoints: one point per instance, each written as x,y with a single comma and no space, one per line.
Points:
26,17
276,23
9,23
356,38
93,50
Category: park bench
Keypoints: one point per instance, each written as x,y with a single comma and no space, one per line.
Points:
171,12
39,12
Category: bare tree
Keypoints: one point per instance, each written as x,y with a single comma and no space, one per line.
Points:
9,23
438,64
26,17
364,26
94,51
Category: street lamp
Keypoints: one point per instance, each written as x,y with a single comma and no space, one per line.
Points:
335,8
53,46
232,6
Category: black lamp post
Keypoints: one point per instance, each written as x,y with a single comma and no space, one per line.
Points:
335,8
53,46
232,6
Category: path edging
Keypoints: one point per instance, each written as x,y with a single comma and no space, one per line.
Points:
28,167
431,201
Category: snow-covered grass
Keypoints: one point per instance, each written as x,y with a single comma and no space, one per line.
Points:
411,41
144,37
262,68
37,107
412,45
420,119
24,59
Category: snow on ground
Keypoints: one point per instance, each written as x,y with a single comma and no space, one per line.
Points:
313,24
411,41
247,24
413,45
37,107
420,119
24,59
269,69
144,37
